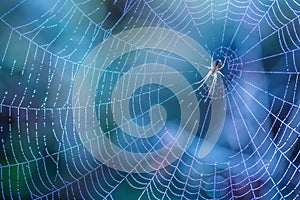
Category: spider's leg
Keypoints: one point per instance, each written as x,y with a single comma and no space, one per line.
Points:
212,59
207,67
221,74
202,82
204,79
199,65
224,63
212,87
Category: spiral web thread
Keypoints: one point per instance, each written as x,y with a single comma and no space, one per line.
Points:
43,45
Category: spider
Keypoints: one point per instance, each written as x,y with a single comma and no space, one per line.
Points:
214,70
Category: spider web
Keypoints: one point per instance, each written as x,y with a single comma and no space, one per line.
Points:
44,44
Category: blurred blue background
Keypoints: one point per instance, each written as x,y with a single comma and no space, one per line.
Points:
44,43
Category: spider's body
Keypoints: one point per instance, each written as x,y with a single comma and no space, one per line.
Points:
214,70
216,67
